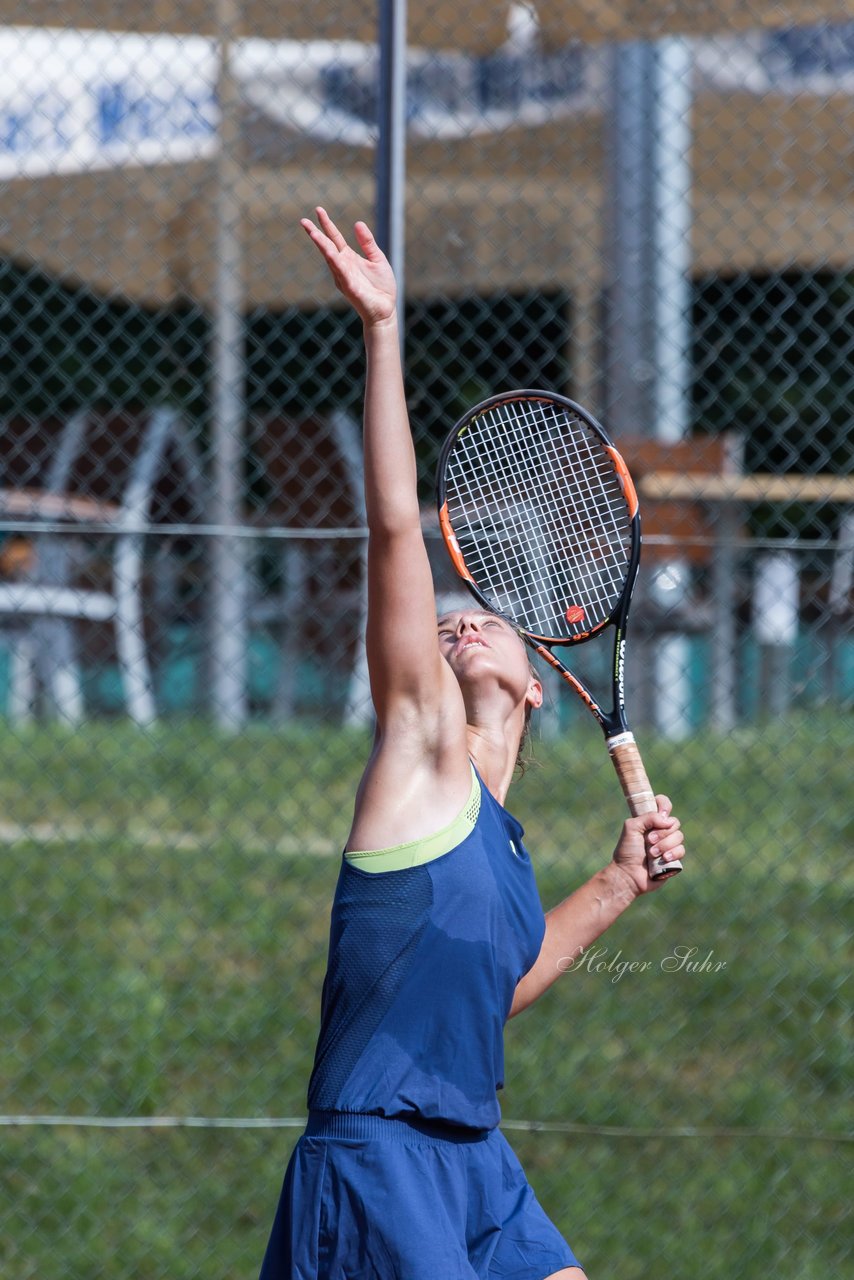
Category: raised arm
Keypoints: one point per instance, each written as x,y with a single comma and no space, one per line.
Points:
416,697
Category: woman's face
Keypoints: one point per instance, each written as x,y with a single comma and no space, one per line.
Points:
478,644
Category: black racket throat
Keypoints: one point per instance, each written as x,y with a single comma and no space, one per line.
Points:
612,722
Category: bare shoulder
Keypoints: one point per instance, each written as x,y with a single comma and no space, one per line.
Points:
417,779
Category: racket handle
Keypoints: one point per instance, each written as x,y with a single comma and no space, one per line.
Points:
637,790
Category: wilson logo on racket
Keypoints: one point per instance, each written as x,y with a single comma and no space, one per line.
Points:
621,670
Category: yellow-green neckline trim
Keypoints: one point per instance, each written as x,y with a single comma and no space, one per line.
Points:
416,852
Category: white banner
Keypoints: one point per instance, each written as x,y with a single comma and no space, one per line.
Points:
72,101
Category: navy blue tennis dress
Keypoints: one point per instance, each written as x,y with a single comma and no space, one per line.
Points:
402,1172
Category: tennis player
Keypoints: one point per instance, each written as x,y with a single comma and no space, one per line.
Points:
437,932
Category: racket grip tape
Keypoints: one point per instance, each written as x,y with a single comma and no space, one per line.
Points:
638,791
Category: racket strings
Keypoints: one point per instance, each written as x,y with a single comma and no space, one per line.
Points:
545,492
539,512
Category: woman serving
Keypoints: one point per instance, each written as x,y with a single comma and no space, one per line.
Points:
437,933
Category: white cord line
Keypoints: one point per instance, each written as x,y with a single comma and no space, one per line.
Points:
520,1126
153,1122
358,533
677,1131
61,833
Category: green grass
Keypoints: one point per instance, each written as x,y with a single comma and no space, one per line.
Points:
163,945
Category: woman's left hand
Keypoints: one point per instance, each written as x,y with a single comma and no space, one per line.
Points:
652,835
364,278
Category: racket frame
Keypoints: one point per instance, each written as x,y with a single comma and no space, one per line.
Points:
620,740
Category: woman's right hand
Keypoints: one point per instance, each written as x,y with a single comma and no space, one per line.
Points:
365,279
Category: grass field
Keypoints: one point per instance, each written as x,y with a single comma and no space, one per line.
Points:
163,944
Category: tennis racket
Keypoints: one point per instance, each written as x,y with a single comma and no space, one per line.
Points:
540,516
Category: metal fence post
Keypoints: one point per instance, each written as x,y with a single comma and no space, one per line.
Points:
228,621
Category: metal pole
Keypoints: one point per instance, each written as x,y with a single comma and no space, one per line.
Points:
648,321
391,142
229,632
627,366
390,204
670,231
648,243
629,369
723,712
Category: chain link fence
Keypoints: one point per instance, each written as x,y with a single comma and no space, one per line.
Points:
648,208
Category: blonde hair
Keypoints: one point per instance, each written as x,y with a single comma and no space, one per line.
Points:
525,754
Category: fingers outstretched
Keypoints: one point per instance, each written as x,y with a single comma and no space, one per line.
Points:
363,275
